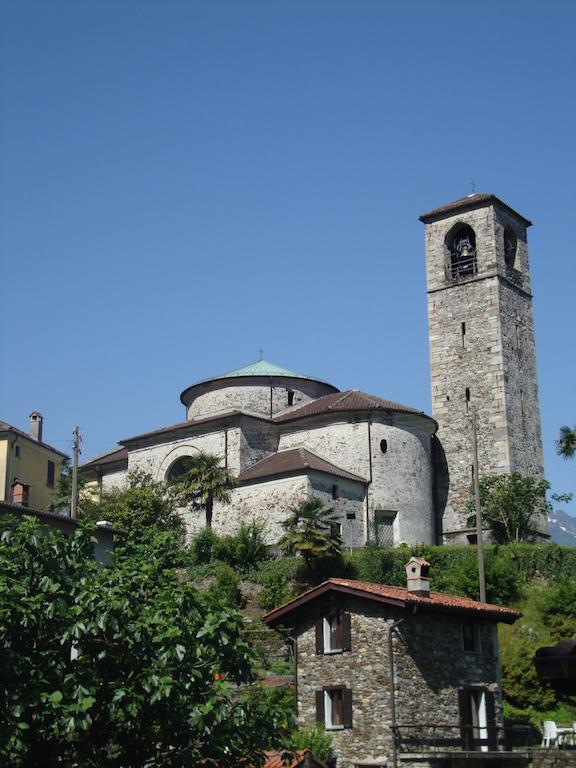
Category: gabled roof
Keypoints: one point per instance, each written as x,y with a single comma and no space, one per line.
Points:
399,597
351,400
183,425
294,461
114,456
5,427
469,203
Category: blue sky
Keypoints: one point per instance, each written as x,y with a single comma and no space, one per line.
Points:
182,183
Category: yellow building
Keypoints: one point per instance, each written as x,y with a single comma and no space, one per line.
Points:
29,468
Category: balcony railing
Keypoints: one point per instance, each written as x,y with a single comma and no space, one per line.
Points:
460,268
432,738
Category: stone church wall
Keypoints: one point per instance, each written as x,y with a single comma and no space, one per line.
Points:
401,476
255,396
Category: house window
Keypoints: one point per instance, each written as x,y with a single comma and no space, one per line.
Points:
17,451
334,707
50,474
333,633
471,638
383,445
335,530
334,492
478,729
384,528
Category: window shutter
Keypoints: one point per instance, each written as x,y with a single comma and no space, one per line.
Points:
465,707
346,632
491,721
320,636
320,718
347,707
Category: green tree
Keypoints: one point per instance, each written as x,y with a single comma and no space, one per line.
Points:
122,666
510,504
310,532
566,443
203,481
143,505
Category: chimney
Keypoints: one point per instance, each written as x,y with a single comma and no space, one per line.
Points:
417,576
36,421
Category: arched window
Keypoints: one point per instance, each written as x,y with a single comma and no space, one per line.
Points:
461,245
510,245
178,468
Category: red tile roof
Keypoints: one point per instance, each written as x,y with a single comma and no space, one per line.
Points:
293,461
398,596
352,400
113,457
274,760
182,425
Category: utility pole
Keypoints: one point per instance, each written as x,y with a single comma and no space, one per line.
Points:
479,539
76,448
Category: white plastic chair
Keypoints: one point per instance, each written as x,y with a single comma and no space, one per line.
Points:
550,734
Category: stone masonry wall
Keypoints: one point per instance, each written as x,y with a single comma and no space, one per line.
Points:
493,356
430,668
401,476
254,395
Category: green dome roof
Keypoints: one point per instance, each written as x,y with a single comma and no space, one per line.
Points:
260,368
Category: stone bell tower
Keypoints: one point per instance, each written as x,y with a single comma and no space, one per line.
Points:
482,352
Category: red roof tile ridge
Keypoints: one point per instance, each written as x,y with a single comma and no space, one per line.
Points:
435,597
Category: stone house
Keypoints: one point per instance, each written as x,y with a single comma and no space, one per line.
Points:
398,675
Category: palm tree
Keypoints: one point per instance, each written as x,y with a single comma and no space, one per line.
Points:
566,443
202,482
311,532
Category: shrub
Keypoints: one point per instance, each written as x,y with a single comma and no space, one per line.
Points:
246,548
204,547
316,739
275,591
225,589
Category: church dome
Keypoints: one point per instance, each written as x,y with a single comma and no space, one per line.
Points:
261,387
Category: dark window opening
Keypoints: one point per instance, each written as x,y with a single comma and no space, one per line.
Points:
335,530
471,638
510,246
179,468
17,451
334,492
463,331
290,393
50,474
467,392
383,445
461,244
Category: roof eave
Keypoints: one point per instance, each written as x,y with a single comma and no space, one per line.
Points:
276,616
461,206
264,377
